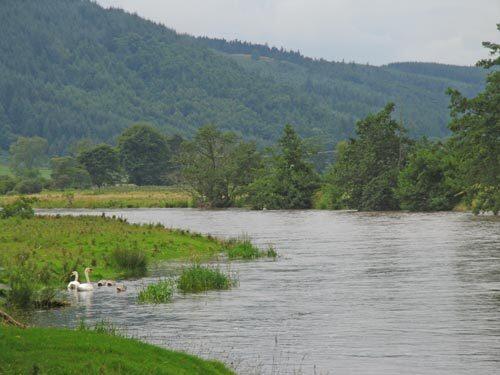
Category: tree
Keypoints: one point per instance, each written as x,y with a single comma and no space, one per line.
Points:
217,166
68,173
367,167
288,180
27,154
427,182
476,135
103,165
144,154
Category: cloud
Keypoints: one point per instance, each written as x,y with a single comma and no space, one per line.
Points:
374,31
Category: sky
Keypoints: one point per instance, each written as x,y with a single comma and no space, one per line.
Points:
365,31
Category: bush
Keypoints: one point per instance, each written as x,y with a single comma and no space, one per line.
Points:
197,278
132,261
29,186
7,184
21,208
160,292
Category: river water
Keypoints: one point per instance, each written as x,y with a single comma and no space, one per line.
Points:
352,293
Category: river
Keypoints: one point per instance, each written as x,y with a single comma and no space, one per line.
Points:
351,293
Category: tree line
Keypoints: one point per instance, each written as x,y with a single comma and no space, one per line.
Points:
381,168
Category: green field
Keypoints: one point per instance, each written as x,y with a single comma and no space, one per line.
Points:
110,197
51,247
5,170
59,351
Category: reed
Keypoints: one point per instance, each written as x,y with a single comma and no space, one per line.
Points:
160,292
131,261
197,278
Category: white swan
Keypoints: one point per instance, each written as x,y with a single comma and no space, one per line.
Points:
74,284
85,287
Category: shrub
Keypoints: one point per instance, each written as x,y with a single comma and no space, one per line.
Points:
29,186
197,278
132,261
7,184
21,291
160,292
22,208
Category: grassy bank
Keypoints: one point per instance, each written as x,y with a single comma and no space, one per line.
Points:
112,197
88,352
49,248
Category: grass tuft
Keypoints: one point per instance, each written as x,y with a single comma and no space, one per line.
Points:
132,261
160,292
197,278
243,249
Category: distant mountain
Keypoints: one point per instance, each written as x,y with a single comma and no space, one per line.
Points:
70,69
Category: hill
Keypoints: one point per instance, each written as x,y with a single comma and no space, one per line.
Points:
70,69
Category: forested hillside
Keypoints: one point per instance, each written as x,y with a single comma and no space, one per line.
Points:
70,69
418,89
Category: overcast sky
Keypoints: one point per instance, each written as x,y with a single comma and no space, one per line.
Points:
374,31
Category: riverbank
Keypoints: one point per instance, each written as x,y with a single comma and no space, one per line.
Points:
110,197
62,351
48,248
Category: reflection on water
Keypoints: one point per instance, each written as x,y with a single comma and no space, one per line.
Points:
353,293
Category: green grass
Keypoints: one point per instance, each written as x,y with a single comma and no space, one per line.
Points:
242,248
59,351
49,248
198,278
132,261
111,197
160,292
5,170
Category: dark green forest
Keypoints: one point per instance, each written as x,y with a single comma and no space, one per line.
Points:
70,69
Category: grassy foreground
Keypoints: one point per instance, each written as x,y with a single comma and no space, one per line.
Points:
51,247
60,351
111,197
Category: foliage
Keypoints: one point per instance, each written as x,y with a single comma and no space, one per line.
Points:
28,284
132,261
29,185
367,167
476,136
197,278
288,182
21,208
27,154
144,154
68,173
160,292
80,71
102,163
68,353
217,166
427,182
7,184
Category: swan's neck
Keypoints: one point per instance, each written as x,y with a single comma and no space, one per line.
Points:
87,276
76,276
